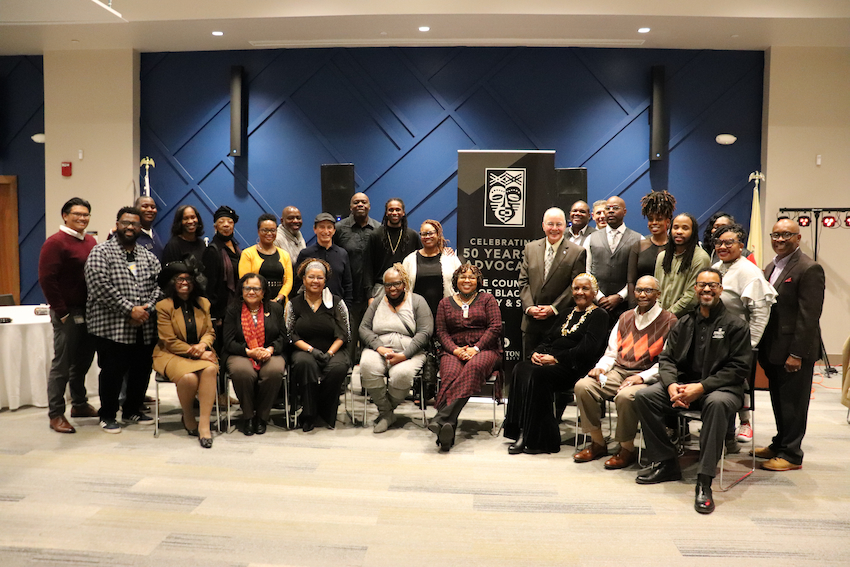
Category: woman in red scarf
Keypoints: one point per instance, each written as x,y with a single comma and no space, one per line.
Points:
254,339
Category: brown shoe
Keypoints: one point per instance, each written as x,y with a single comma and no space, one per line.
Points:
591,453
61,425
764,453
84,411
780,465
621,460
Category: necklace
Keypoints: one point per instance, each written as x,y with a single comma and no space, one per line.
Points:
565,331
397,243
464,304
314,305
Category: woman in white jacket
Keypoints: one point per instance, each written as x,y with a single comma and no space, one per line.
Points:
430,269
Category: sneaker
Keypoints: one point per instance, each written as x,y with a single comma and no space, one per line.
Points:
138,418
745,433
110,426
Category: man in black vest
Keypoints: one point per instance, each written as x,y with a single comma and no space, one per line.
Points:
608,259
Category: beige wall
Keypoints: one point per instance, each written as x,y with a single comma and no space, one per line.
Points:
91,103
808,114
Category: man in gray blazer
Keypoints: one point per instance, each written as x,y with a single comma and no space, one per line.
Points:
790,344
545,283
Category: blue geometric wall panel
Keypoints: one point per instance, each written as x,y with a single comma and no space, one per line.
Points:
401,114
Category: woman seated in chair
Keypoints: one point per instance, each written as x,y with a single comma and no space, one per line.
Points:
184,352
575,343
469,328
254,342
317,322
394,332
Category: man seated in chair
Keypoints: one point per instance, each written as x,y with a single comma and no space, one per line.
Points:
704,367
629,364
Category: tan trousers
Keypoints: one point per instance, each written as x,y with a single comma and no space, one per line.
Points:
590,393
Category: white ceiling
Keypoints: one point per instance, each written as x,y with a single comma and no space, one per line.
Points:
30,27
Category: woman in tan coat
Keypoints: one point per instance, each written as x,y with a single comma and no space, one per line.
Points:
184,353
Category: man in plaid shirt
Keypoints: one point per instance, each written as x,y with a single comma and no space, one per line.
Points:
122,294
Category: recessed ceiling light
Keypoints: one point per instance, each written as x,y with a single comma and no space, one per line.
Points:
643,30
383,33
735,35
424,28
217,33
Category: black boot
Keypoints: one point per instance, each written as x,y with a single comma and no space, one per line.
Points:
704,501
661,472
517,447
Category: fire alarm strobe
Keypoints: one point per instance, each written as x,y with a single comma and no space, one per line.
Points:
66,169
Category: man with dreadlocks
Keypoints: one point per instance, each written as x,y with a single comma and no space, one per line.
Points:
657,208
388,245
677,266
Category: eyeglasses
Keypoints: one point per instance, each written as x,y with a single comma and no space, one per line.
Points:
613,207
428,233
646,290
467,277
393,285
252,289
710,285
181,279
725,243
783,235
80,215
129,224
268,230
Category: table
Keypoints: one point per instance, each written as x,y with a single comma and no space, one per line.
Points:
26,351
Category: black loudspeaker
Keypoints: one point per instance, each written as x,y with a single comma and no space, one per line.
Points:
659,117
238,112
570,186
337,188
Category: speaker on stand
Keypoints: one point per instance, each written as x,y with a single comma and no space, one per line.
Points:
570,186
337,189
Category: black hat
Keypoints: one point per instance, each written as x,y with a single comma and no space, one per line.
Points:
225,211
185,266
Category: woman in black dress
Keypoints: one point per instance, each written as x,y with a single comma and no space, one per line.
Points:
186,232
431,268
657,208
317,322
576,342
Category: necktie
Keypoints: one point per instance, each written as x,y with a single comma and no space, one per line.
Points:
614,240
547,263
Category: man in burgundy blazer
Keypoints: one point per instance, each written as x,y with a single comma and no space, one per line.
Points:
790,344
545,295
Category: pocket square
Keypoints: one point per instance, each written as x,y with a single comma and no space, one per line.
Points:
787,281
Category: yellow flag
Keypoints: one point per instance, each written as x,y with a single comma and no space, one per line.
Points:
754,243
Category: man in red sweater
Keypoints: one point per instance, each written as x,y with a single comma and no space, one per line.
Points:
60,274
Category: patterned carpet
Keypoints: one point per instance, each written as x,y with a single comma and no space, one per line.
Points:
349,497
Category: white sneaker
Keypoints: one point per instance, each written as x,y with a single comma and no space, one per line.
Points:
745,433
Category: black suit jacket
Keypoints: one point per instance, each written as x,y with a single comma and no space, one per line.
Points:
556,290
793,327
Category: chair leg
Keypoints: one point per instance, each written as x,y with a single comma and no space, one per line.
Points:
156,410
217,409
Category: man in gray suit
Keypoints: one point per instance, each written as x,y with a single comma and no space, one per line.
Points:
608,259
545,278
790,344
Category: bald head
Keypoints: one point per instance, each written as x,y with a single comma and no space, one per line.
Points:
785,238
615,211
579,216
291,218
360,208
647,290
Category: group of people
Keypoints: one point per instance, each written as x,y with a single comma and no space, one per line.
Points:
659,324
654,323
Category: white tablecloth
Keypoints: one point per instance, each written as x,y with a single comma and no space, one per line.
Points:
26,350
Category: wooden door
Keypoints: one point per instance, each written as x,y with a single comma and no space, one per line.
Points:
10,266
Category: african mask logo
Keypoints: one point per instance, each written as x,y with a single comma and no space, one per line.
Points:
504,204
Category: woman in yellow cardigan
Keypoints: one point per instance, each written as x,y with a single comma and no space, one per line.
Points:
184,352
268,260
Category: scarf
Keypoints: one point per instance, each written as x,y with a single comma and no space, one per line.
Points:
255,334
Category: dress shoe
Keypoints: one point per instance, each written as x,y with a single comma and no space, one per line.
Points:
307,425
434,427
259,426
517,447
191,432
60,425
247,426
447,437
661,472
621,460
86,410
764,453
704,501
780,465
591,453
206,442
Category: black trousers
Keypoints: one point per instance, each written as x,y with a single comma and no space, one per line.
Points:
789,396
73,352
319,387
116,360
653,405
